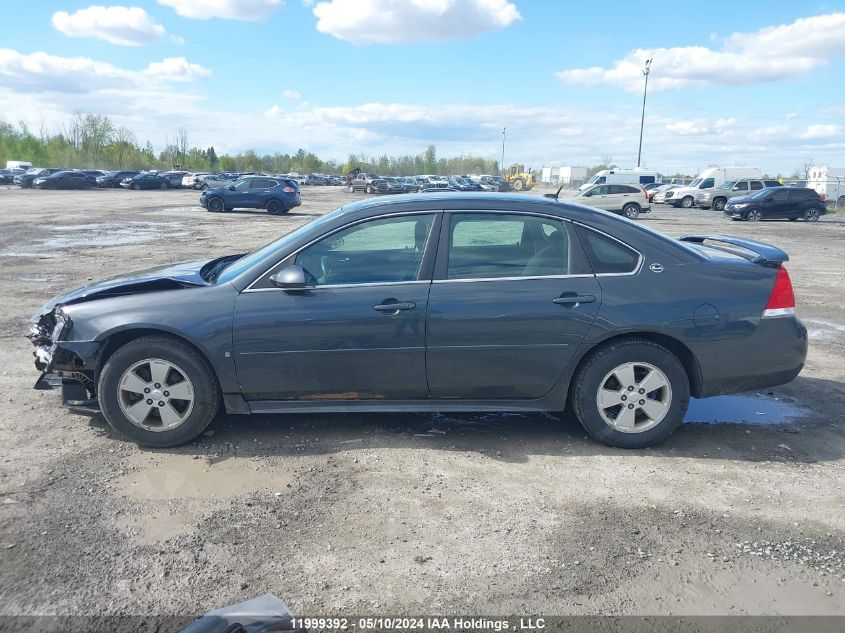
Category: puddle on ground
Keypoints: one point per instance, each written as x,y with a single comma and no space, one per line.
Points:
161,476
756,409
96,234
154,527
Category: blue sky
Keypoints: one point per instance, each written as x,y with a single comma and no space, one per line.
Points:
753,83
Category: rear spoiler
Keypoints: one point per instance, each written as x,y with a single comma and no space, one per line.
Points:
753,251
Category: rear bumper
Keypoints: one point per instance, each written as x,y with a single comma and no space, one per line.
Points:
774,355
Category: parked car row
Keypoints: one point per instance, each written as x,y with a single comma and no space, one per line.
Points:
374,183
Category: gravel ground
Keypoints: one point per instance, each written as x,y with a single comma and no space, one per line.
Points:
396,514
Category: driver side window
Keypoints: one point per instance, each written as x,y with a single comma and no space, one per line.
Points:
242,185
388,250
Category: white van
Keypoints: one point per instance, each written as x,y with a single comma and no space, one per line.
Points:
828,182
622,177
18,164
708,179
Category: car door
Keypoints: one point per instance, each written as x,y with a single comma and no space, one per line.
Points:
256,195
599,197
511,302
796,204
777,205
356,331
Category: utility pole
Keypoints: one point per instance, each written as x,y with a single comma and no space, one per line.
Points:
646,71
502,164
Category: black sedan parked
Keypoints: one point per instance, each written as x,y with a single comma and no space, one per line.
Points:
146,181
777,203
63,180
437,302
26,179
112,179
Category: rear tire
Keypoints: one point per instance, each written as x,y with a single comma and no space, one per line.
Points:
811,215
275,207
631,210
117,395
719,204
606,397
215,205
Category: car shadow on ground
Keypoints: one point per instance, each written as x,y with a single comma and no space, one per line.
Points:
812,437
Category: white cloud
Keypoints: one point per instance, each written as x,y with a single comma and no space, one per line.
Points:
291,94
39,73
822,131
687,128
395,21
227,9
177,69
124,26
770,54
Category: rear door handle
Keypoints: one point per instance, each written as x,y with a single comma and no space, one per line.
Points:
574,299
395,307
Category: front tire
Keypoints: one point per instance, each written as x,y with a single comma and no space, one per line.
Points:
164,186
136,187
518,184
631,394
157,391
631,210
369,189
215,205
754,215
687,202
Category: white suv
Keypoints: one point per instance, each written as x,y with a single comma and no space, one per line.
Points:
627,200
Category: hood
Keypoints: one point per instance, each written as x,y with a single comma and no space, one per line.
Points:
168,277
683,191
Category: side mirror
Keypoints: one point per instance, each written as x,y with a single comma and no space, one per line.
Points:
289,278
231,187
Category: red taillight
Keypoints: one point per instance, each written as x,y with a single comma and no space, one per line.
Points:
289,190
782,300
822,198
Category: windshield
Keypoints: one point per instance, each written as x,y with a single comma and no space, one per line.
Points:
695,182
238,266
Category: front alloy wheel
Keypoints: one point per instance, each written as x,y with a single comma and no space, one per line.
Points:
754,215
215,205
687,202
156,395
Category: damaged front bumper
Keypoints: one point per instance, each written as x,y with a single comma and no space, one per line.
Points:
70,365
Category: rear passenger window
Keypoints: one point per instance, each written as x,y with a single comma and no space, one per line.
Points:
756,184
607,255
259,183
743,186
485,246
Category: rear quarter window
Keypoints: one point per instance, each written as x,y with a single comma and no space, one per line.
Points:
607,255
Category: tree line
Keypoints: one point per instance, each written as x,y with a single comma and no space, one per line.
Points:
93,141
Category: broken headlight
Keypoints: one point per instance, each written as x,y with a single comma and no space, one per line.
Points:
61,327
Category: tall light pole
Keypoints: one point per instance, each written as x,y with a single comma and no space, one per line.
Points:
646,71
502,164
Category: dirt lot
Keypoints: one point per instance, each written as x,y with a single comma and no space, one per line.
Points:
393,514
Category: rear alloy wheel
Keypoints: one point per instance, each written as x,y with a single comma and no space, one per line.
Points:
631,210
687,202
215,205
157,391
631,394
811,215
719,204
754,215
274,207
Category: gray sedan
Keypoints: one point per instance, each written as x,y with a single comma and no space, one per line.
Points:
436,302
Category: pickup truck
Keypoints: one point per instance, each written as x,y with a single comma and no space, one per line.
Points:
369,183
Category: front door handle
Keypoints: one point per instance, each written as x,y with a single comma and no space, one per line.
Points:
395,307
570,299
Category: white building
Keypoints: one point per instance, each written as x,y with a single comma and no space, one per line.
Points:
829,182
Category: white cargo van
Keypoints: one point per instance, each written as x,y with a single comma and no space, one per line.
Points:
708,179
18,164
622,177
830,183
